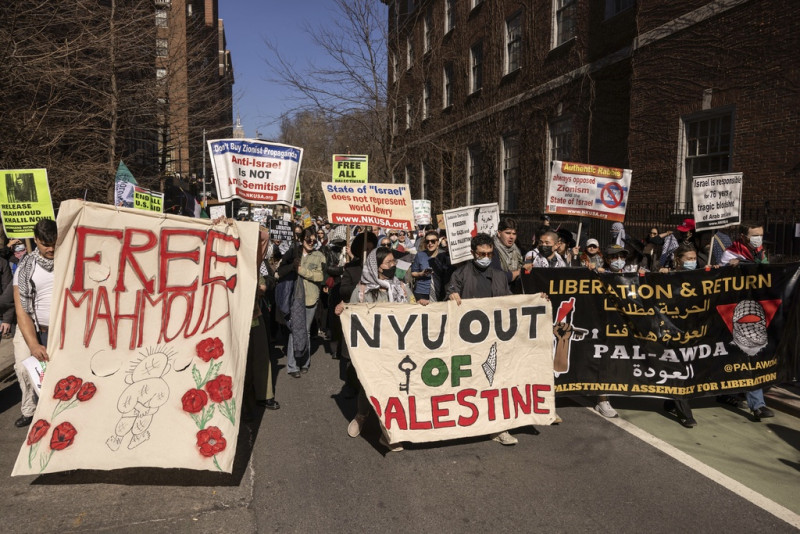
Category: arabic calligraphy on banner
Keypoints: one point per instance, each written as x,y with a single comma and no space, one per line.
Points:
677,335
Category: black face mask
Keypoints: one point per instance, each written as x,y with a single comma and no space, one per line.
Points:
545,250
388,273
336,249
656,240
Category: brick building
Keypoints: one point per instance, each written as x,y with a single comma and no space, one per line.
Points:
485,93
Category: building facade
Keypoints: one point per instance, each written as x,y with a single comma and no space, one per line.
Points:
486,93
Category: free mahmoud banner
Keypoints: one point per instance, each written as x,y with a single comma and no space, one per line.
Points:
679,335
445,371
150,322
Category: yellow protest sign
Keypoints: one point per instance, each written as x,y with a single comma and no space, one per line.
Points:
24,200
145,199
350,168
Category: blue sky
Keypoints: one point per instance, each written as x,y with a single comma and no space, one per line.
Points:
247,23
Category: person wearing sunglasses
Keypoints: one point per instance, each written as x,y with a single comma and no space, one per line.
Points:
422,270
307,266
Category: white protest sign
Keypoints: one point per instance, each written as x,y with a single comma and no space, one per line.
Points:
215,212
255,171
462,224
148,341
588,190
384,205
454,371
422,212
717,200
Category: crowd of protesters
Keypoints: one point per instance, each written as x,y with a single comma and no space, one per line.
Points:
304,283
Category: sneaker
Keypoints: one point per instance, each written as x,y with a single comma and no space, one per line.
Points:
688,422
604,408
294,374
762,413
355,426
304,370
557,420
23,421
269,404
505,438
393,447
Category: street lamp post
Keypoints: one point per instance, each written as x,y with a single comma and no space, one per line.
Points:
203,204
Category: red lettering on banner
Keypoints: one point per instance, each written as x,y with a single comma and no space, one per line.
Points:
214,235
165,256
412,416
81,234
395,411
490,395
537,400
437,413
462,400
516,397
504,397
126,256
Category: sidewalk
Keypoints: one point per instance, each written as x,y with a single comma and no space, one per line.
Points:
785,397
6,357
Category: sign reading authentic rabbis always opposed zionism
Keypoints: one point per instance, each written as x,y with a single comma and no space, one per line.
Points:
150,321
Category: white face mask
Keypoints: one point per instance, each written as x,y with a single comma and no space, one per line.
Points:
618,264
690,265
483,263
756,241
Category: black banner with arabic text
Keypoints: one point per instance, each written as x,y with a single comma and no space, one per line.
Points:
678,335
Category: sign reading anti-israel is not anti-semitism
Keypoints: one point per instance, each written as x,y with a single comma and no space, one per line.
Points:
255,171
148,334
445,371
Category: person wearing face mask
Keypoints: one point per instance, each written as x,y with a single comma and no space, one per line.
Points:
479,279
685,234
308,266
545,255
591,257
378,284
748,248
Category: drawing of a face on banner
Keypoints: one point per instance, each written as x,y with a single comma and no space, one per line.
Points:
749,327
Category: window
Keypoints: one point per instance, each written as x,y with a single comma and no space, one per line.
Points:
408,112
474,165
476,70
449,15
409,52
447,85
161,47
428,27
161,18
426,100
564,14
161,73
614,7
510,184
513,42
708,148
560,140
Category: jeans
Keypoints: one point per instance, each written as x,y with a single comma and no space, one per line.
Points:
22,352
294,363
755,399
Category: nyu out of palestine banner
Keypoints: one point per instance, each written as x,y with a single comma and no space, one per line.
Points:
149,327
384,205
680,335
24,200
350,168
463,224
588,190
445,371
255,171
717,200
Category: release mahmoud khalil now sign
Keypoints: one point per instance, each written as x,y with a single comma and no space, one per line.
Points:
150,322
445,371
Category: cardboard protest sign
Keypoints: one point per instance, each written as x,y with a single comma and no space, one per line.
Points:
217,211
281,230
588,190
24,200
445,371
350,168
148,338
145,199
384,205
462,224
717,200
255,171
422,212
679,335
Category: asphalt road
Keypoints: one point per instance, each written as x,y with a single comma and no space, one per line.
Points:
298,471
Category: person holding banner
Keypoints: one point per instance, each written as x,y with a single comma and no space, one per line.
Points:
545,255
378,284
33,291
479,279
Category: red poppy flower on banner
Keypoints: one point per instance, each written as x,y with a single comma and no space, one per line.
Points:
66,388
38,431
210,441
210,348
87,391
220,389
194,400
63,436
